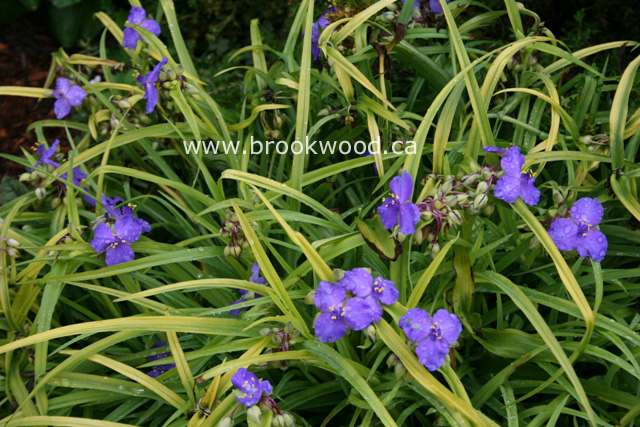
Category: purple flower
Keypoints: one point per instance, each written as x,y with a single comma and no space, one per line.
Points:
160,369
149,82
398,208
353,303
434,334
255,278
251,388
416,324
361,283
515,183
67,96
321,23
435,7
110,206
45,155
116,241
76,176
138,16
76,179
492,149
579,231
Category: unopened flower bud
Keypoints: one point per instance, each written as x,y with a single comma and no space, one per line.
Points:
392,7
488,209
276,134
265,331
40,193
25,177
586,139
480,201
392,360
454,218
533,61
254,414
278,121
278,421
289,329
388,17
13,243
399,371
276,339
226,422
338,274
309,298
434,249
324,112
418,236
416,14
426,216
55,202
27,227
482,187
289,421
13,253
438,204
447,185
557,195
534,244
370,333
451,200
562,210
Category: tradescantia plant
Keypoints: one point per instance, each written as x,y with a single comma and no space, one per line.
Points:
447,302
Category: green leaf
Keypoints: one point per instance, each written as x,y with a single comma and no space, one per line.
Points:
11,189
378,238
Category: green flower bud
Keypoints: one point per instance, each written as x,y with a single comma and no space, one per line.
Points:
388,17
13,243
276,134
265,331
278,421
447,185
454,218
40,193
254,414
289,421
226,422
278,121
587,140
309,298
27,227
55,202
392,360
370,333
557,195
418,236
426,216
289,329
392,7
276,339
482,187
227,251
438,205
451,200
416,14
25,177
338,274
324,112
434,249
399,371
488,209
562,210
480,201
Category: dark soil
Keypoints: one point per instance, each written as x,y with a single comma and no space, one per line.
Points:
25,57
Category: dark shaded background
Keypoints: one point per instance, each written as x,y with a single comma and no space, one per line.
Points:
213,29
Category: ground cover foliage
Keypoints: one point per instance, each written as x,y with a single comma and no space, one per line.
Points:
141,285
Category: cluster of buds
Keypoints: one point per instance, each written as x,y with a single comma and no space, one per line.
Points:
254,414
282,338
450,199
232,230
12,244
272,134
399,370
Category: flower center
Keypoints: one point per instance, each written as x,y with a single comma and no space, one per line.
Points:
436,331
377,286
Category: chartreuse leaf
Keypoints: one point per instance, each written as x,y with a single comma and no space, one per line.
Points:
530,311
141,378
283,300
349,373
619,112
231,327
178,42
428,381
427,275
319,265
62,422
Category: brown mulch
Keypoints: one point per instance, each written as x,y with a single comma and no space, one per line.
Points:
25,57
